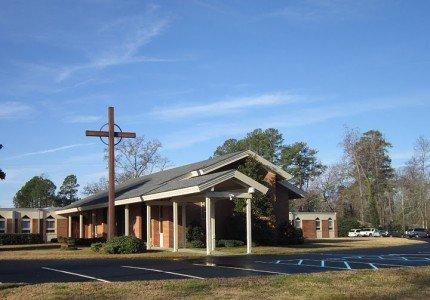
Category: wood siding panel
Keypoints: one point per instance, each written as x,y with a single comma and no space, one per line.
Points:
324,229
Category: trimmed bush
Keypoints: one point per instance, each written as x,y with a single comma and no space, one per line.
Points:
124,244
230,243
20,238
96,246
289,235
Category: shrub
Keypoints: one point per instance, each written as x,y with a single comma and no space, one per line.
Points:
230,243
124,244
263,233
20,238
96,246
196,236
289,235
197,244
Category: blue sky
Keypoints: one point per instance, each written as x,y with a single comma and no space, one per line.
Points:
194,73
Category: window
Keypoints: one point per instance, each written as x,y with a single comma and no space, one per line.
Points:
2,225
318,224
330,224
50,224
297,223
25,225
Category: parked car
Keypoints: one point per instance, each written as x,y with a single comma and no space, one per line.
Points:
417,233
391,233
354,232
370,232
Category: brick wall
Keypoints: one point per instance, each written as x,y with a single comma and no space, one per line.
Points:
136,220
155,228
87,224
10,226
167,224
101,229
62,227
309,230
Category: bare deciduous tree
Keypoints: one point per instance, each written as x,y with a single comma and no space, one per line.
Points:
133,158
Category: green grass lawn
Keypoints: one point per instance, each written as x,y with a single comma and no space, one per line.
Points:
387,283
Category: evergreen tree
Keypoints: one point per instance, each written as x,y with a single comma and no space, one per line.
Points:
37,192
301,161
68,191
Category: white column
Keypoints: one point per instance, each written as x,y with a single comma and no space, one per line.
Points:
148,226
126,221
213,242
248,226
184,224
70,226
208,226
175,227
93,224
81,226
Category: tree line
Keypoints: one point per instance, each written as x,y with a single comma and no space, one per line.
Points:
363,187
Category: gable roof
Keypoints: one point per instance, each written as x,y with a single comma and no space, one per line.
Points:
187,176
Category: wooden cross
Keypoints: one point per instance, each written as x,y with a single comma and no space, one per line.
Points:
111,134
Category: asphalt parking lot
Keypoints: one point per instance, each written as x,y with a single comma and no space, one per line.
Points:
114,270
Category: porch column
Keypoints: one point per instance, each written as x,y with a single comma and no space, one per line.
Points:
213,242
81,225
175,227
148,226
248,226
70,227
184,224
93,224
126,221
208,227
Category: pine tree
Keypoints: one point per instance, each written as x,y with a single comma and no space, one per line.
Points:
68,191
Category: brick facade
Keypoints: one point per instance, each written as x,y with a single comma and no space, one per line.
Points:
309,229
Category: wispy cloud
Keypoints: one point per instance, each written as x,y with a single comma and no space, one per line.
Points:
82,119
320,10
225,106
130,35
13,109
47,151
284,118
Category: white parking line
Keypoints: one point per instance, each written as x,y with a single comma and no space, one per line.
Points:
373,266
347,265
76,274
376,263
244,269
302,265
300,262
166,272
